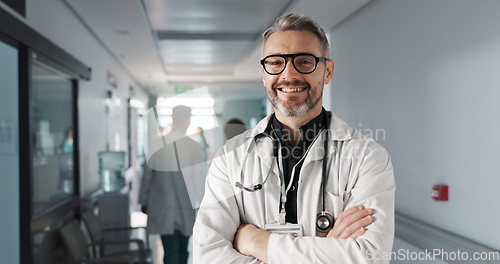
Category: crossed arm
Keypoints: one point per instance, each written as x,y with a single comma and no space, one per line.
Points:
252,241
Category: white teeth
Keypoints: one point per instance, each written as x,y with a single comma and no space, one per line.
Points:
292,90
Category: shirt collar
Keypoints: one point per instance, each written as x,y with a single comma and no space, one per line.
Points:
339,130
308,131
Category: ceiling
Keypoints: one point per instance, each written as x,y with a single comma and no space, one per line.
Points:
194,43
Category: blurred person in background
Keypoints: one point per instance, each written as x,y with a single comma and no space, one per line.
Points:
172,187
67,145
234,127
199,136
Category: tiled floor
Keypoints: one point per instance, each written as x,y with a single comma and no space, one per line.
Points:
158,249
140,219
408,252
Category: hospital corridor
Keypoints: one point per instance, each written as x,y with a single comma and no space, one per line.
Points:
249,131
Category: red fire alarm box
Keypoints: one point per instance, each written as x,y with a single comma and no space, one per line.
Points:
439,192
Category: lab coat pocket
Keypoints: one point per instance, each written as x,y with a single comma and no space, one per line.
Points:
334,204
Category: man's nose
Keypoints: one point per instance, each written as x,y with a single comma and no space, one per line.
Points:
289,72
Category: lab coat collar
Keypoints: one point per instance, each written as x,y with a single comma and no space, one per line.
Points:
260,127
263,147
338,131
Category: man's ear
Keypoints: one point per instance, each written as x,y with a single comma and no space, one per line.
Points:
330,66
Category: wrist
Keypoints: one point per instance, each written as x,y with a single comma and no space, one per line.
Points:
259,243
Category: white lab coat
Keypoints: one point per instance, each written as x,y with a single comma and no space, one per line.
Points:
360,173
172,197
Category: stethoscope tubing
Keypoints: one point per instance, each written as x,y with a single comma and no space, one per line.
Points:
284,191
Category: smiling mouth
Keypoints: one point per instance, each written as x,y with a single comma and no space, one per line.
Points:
291,90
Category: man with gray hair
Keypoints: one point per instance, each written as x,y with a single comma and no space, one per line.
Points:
302,186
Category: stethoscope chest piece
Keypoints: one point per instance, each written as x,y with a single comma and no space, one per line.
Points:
324,222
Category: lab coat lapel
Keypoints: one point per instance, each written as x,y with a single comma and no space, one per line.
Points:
263,147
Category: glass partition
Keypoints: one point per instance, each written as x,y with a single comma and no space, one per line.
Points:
52,135
9,154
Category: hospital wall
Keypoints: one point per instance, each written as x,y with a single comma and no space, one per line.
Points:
55,21
426,73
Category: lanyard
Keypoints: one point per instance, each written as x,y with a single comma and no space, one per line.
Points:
284,191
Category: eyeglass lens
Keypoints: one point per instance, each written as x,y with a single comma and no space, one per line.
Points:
302,63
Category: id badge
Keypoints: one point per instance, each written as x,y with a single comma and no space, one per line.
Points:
285,229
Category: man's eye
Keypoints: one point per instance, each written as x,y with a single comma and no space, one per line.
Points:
305,62
274,62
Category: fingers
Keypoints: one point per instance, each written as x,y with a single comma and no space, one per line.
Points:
358,233
356,227
350,222
351,211
345,219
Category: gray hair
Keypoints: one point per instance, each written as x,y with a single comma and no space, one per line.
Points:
299,22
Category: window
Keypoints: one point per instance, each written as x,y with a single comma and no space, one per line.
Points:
52,133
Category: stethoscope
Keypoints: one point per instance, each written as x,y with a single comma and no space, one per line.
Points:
324,221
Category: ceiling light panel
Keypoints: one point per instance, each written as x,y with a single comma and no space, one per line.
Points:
213,15
202,52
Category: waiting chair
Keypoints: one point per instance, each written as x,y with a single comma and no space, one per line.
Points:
78,248
141,255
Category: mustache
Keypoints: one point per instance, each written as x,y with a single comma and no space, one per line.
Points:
291,83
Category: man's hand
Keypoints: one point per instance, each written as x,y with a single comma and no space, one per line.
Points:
351,223
252,241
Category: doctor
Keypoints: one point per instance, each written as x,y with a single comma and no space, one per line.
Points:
302,186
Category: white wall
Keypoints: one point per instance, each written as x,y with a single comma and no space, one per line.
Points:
54,20
427,71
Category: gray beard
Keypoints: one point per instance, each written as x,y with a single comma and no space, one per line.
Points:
303,109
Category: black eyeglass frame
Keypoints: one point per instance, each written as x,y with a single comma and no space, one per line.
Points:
293,56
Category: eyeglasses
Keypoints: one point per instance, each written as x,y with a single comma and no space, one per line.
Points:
304,63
